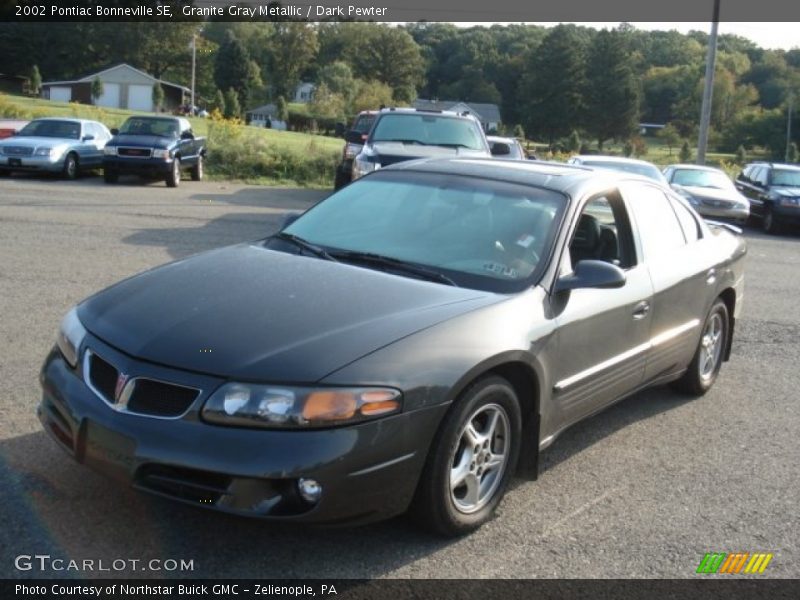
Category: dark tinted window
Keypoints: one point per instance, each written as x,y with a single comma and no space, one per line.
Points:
364,123
52,128
659,229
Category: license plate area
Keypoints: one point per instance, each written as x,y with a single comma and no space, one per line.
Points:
14,162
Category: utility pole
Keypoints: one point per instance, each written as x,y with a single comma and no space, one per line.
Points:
194,61
705,111
789,126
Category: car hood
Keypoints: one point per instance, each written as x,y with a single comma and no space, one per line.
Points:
141,141
787,192
36,142
714,193
254,314
392,152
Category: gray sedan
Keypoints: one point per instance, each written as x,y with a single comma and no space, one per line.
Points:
64,146
710,191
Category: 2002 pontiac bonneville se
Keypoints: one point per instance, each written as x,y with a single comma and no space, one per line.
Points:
412,341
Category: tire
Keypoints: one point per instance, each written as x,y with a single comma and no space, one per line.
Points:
197,170
70,168
4,173
460,489
110,176
174,177
768,222
704,368
340,180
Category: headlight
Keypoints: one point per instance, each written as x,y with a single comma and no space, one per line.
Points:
110,150
789,201
70,336
44,152
293,407
362,166
160,153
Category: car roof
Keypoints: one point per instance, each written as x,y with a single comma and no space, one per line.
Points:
612,159
68,119
560,177
763,163
426,111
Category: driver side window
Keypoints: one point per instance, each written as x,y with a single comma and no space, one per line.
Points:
603,233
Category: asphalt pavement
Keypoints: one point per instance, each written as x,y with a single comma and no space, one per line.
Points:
643,489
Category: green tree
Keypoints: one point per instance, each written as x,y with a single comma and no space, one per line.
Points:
97,89
34,81
158,97
326,104
371,95
233,69
611,93
281,109
233,109
338,77
519,132
791,155
670,136
553,85
218,102
741,155
291,49
573,142
685,155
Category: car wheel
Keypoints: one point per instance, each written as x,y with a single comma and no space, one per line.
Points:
174,177
70,168
707,360
340,180
768,223
471,460
110,176
4,173
197,170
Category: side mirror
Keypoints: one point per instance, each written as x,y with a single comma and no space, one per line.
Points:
114,131
500,149
187,135
353,137
289,219
592,274
88,138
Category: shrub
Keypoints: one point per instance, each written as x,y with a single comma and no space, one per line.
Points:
741,155
685,154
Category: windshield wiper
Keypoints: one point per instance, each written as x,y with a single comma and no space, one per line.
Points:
458,146
394,263
418,142
304,245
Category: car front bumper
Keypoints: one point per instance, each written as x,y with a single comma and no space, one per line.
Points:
32,163
367,471
739,214
138,166
789,215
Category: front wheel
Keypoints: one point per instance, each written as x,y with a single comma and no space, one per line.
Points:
471,460
70,168
704,368
197,170
174,177
768,223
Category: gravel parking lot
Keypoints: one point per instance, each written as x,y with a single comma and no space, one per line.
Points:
644,489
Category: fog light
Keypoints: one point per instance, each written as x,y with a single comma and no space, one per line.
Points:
309,489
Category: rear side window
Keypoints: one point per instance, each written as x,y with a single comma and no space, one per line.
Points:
364,123
691,229
659,229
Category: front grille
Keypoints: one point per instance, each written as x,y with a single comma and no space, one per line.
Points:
139,395
17,151
160,399
135,152
103,376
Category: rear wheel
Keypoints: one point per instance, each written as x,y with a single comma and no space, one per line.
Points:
70,168
197,170
471,460
768,223
174,177
704,368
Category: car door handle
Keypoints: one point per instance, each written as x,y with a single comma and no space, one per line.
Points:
711,277
640,310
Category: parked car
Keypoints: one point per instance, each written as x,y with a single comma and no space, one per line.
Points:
156,147
710,191
773,190
413,340
515,150
357,135
618,163
400,134
10,127
65,146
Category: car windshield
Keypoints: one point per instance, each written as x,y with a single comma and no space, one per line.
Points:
148,126
701,178
646,170
786,177
478,233
69,130
433,130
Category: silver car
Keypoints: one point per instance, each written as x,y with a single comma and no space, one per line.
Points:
710,191
618,163
64,146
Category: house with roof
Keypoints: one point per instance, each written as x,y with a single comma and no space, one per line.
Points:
265,116
124,86
487,114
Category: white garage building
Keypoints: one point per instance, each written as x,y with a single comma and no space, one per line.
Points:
123,87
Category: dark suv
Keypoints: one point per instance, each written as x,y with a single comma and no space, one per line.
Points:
355,142
773,190
400,134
